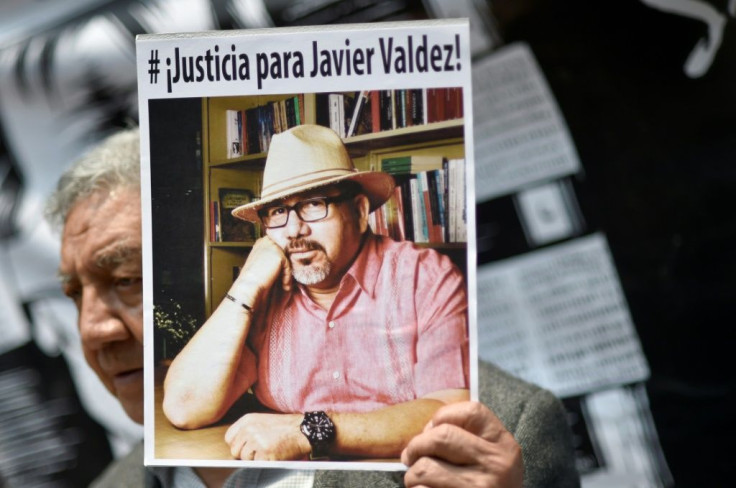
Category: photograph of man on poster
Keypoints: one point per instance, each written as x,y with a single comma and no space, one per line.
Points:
349,339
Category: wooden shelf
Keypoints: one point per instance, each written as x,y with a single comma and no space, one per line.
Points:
416,134
443,245
255,161
232,244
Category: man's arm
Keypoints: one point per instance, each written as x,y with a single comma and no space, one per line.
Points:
215,368
382,433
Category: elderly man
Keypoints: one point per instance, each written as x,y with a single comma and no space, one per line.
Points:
465,444
97,203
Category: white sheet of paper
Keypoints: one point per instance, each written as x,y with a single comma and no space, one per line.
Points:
558,317
520,134
626,438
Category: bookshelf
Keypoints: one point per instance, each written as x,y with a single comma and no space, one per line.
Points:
223,169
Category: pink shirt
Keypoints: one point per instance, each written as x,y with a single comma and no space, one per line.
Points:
396,331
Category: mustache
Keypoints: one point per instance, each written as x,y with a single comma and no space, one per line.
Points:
303,245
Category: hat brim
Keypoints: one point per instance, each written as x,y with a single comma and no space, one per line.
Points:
377,186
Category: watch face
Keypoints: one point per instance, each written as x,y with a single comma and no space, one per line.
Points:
319,430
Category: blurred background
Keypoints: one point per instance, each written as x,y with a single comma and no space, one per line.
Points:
605,173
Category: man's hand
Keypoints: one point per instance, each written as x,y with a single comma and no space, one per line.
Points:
268,437
464,444
266,264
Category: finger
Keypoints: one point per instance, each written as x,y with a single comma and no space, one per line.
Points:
436,473
473,417
453,444
286,277
430,473
230,433
233,430
247,453
237,443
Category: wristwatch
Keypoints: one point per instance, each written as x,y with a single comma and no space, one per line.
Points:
320,432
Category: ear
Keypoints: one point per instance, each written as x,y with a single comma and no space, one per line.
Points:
362,208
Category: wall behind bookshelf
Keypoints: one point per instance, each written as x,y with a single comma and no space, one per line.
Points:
177,219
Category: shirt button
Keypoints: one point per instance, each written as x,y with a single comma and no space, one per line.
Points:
336,375
331,324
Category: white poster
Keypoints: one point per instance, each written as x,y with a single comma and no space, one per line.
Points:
396,98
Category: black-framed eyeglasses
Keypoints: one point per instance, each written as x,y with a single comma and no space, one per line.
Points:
310,210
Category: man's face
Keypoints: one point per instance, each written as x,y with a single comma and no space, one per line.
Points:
101,271
321,252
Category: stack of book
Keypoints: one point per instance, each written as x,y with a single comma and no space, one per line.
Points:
428,204
249,131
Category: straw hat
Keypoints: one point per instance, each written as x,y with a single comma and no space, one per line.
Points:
310,156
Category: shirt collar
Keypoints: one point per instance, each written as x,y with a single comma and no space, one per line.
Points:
364,270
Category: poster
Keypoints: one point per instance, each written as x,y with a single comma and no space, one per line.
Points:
217,107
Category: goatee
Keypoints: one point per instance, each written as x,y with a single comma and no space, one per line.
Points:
308,272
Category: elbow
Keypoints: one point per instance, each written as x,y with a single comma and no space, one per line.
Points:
182,412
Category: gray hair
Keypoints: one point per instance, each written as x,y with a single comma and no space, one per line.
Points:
112,164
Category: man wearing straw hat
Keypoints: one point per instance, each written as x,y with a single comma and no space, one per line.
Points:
355,338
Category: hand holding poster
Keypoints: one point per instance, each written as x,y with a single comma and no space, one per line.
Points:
326,340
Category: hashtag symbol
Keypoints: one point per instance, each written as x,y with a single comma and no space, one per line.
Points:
153,66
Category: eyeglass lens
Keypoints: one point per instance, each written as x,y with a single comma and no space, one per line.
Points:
307,210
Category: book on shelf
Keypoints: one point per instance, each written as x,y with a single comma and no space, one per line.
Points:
358,108
444,104
462,225
249,131
428,204
214,221
389,219
233,131
416,107
419,216
275,108
440,178
386,108
397,229
457,223
233,229
336,104
370,111
375,106
361,121
348,114
435,218
411,164
400,108
427,220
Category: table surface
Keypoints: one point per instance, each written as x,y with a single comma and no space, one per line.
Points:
172,443
207,443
